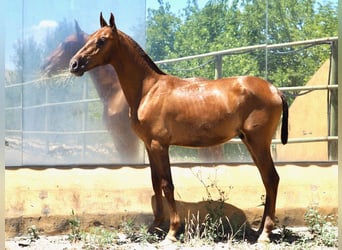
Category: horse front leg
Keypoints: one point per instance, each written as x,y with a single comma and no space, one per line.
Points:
168,189
162,182
158,210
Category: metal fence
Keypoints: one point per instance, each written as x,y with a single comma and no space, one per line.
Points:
333,84
84,130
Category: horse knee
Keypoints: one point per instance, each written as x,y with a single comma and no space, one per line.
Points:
167,187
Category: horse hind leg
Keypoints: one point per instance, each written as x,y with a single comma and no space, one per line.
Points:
260,152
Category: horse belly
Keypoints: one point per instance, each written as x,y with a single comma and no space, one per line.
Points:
203,134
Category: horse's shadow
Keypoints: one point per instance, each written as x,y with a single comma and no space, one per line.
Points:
228,221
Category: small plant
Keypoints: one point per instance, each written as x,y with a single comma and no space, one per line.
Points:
135,233
215,226
208,230
214,229
33,233
192,228
286,234
321,226
128,228
75,226
99,237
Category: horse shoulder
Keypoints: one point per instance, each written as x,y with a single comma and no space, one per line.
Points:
151,103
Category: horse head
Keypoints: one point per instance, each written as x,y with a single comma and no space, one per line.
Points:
58,60
96,50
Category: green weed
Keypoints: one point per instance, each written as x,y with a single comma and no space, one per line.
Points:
322,227
75,226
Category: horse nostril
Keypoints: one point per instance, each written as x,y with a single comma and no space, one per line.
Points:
74,65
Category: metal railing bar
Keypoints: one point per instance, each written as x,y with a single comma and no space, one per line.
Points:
51,104
250,48
316,87
76,132
296,140
300,88
234,140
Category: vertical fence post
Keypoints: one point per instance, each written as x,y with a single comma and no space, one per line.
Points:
332,145
46,119
218,67
84,119
2,130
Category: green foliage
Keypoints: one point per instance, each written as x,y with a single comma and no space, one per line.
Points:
215,227
322,227
162,25
27,59
206,231
136,233
75,227
33,232
99,237
224,24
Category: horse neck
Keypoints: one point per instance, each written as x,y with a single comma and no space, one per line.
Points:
136,71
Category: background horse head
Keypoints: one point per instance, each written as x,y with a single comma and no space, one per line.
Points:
106,82
58,60
166,110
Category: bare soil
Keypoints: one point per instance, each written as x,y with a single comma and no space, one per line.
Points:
62,242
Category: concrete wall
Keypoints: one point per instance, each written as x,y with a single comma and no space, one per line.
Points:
106,196
307,119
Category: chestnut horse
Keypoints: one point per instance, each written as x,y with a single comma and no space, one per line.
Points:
115,107
166,110
106,82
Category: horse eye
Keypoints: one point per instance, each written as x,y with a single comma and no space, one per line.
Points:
100,41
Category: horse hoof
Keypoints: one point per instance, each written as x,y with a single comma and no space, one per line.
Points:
264,238
168,243
169,240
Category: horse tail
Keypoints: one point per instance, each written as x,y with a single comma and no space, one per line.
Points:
285,120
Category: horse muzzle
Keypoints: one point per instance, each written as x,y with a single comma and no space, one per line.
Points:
77,67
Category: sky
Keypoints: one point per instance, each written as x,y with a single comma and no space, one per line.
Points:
35,18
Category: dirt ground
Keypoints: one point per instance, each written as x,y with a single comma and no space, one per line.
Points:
62,242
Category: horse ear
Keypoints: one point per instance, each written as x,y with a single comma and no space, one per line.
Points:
112,22
102,21
78,29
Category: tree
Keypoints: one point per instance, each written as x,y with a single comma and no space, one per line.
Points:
224,24
26,59
161,28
